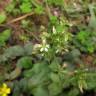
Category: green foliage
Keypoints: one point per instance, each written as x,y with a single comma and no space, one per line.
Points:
42,77
40,91
73,92
26,7
2,17
4,36
57,36
51,65
55,89
56,2
49,79
24,62
13,52
84,40
39,10
53,19
10,7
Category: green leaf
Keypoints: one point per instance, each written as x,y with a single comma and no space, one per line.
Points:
25,62
90,48
28,73
40,67
75,53
2,17
82,35
55,89
10,7
55,65
28,48
91,80
23,83
39,9
73,92
16,90
26,7
4,36
53,19
55,77
13,52
39,75
40,91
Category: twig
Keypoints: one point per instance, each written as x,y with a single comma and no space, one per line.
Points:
20,18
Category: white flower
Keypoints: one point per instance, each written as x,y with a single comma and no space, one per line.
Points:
44,48
54,30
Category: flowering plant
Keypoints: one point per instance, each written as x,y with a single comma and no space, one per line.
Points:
4,90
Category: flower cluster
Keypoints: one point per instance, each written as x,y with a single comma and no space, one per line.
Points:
43,47
4,90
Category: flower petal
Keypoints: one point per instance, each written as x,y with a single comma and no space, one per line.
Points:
46,49
1,92
4,85
47,46
42,49
4,94
8,91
